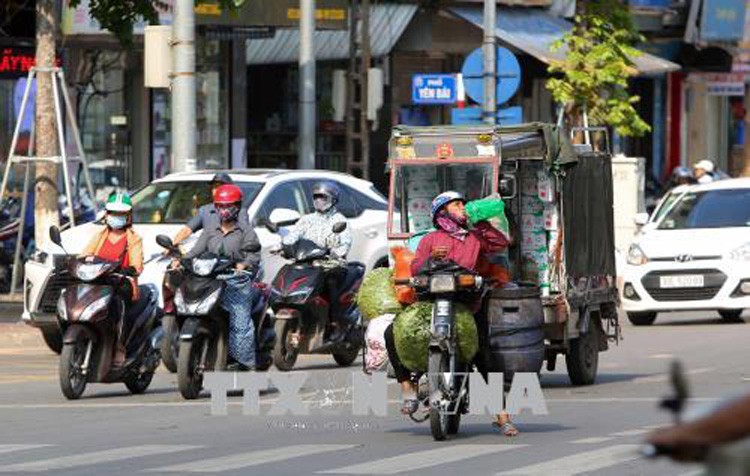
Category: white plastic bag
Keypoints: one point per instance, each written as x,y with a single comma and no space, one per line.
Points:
376,355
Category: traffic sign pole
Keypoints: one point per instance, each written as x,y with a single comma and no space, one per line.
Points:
489,70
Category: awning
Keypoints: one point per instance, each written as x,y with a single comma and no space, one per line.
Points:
387,24
533,31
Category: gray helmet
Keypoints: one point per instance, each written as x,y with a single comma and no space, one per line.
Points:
328,189
222,178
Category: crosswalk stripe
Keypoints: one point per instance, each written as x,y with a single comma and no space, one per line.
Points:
592,440
585,462
96,457
641,431
254,458
422,459
11,448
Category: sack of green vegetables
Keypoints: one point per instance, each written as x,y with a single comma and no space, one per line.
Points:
377,296
411,332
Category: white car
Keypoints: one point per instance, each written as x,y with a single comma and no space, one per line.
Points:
165,205
695,256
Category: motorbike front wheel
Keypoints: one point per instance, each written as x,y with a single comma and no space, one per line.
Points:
284,353
444,419
72,379
138,384
190,365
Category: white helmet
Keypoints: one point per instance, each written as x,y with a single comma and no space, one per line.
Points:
706,165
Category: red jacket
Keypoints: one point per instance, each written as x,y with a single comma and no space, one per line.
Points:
483,238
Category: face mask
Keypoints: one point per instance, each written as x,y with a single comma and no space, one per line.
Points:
228,213
322,204
117,222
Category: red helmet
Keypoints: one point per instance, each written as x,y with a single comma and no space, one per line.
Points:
227,194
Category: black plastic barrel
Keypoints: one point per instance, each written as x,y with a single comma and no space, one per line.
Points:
515,318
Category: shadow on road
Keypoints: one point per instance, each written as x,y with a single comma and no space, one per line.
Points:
471,430
697,322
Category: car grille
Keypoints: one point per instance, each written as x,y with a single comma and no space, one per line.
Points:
713,281
51,293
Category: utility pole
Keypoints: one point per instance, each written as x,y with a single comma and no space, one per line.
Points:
45,189
184,129
306,158
490,67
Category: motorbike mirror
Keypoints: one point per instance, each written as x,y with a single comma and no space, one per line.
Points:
339,227
165,242
508,187
54,235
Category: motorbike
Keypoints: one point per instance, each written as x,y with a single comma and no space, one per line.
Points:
444,389
731,459
92,317
170,347
303,321
202,324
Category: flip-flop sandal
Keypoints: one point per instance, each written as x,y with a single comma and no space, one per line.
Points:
507,428
409,406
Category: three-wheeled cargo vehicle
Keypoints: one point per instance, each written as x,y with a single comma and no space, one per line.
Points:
562,296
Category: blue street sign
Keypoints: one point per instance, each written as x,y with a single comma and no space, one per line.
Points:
722,20
510,116
508,75
433,89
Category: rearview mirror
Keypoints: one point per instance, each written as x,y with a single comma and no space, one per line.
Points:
508,187
339,227
54,235
165,242
641,219
284,217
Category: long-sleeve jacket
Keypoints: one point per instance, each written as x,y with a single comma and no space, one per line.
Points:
234,244
483,238
318,228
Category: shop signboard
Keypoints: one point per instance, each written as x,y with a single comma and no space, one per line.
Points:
722,20
509,116
724,84
16,61
434,89
330,14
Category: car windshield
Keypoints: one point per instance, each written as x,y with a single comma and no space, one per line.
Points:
712,209
178,202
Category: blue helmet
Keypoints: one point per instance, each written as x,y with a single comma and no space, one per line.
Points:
682,172
328,189
444,199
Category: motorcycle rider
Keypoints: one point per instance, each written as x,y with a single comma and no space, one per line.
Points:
207,215
690,440
318,228
704,171
231,238
454,240
681,176
118,242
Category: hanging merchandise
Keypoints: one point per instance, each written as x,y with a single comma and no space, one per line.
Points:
551,217
545,188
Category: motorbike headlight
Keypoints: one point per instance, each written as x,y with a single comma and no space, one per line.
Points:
636,256
741,254
96,306
196,308
442,283
62,309
89,271
203,267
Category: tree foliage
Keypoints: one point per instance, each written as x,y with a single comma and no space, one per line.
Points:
119,16
594,75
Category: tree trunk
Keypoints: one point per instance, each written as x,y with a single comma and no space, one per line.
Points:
45,188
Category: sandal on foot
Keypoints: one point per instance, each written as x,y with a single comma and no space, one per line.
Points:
409,406
507,428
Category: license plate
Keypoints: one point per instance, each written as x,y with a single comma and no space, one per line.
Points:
683,281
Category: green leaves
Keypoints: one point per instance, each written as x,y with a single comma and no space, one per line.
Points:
594,75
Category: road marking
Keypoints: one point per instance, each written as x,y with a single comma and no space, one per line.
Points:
660,378
423,459
661,356
254,458
97,457
640,431
655,427
697,472
4,449
592,440
585,462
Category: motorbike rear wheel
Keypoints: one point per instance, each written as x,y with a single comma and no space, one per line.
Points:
346,355
189,373
443,421
170,345
284,355
72,380
138,384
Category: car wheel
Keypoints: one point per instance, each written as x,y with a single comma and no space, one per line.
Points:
641,318
731,315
